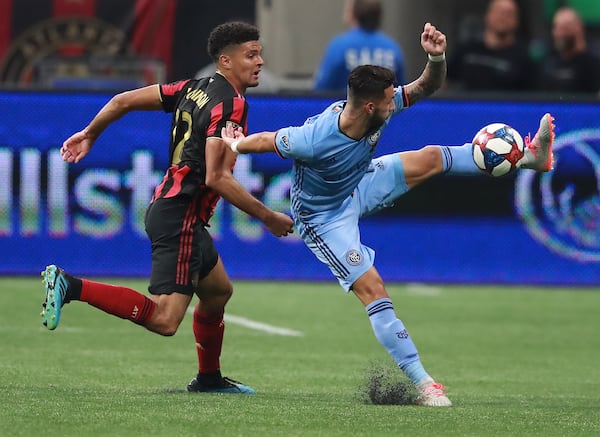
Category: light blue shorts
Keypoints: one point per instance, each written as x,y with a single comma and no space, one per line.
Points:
336,240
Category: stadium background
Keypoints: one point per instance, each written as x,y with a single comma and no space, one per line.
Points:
88,218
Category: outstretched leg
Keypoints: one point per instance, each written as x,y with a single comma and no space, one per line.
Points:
161,314
420,165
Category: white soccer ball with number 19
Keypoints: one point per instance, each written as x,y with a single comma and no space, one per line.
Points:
497,149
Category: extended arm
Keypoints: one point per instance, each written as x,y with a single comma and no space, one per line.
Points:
434,43
219,177
78,145
261,142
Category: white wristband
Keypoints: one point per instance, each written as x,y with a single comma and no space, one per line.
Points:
436,58
234,146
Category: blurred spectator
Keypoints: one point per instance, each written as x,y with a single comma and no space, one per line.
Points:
496,60
569,66
363,43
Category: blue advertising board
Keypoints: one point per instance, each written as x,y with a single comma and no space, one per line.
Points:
88,217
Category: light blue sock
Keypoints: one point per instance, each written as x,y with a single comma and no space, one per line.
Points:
392,334
459,159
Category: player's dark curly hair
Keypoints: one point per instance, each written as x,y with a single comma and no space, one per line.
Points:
231,33
368,82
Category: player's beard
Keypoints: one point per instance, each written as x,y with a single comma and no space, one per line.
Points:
375,122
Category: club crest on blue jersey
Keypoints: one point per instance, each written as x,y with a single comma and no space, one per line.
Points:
374,138
353,257
284,143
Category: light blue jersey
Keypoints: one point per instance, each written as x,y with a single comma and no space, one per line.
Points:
328,165
335,182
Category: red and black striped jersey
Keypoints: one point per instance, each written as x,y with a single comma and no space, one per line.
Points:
200,107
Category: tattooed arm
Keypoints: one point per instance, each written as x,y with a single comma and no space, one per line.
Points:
434,43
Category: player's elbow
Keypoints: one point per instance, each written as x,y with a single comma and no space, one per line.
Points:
213,179
120,103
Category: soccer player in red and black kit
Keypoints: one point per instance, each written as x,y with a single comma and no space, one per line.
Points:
184,259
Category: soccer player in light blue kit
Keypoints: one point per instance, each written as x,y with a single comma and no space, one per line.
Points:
336,180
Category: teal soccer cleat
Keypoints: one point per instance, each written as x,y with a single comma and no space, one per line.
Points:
220,385
57,288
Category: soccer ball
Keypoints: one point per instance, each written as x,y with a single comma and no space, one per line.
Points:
497,149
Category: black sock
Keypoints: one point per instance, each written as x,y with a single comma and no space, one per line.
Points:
74,292
210,379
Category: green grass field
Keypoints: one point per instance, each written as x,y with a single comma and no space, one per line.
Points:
516,361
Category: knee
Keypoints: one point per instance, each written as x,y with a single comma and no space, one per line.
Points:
216,297
431,159
167,330
165,326
227,292
376,290
220,297
369,291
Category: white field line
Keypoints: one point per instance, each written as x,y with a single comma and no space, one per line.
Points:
423,289
258,326
229,318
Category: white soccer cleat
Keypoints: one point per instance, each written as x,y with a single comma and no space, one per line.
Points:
538,152
433,395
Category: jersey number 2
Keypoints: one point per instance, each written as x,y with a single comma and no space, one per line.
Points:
182,131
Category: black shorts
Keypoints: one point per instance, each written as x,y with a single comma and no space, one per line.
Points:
182,248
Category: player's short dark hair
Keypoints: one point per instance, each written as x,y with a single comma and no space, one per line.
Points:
368,82
228,34
368,13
